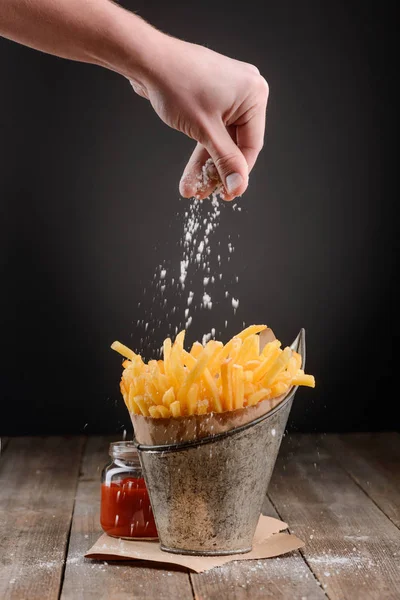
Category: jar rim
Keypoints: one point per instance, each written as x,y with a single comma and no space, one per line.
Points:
125,450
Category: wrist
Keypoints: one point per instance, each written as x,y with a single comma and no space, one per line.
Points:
130,46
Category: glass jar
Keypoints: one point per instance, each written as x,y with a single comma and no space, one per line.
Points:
125,510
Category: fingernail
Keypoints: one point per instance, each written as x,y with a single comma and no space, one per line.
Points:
233,182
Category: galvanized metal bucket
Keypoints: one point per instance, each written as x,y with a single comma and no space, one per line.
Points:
207,495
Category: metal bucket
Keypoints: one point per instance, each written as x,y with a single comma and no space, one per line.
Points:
207,495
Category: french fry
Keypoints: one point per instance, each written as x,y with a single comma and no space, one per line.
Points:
284,377
196,349
180,339
212,389
249,350
268,348
192,396
298,359
137,366
276,367
249,388
251,330
124,350
166,350
176,371
198,369
175,408
307,380
235,349
266,364
153,411
188,359
279,388
255,398
226,377
144,409
163,411
248,376
159,412
225,351
168,397
222,355
140,385
134,407
160,381
292,367
202,407
251,365
131,396
237,386
150,391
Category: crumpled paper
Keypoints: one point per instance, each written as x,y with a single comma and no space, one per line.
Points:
268,542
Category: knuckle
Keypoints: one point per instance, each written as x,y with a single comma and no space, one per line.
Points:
252,69
224,162
264,87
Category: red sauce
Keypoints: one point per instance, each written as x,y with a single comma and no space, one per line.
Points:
126,509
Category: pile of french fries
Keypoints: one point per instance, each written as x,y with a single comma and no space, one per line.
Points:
210,378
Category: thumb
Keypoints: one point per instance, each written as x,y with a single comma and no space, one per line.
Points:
229,161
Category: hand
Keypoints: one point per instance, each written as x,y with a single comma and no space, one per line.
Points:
215,100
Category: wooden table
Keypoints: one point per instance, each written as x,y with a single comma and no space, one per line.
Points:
339,493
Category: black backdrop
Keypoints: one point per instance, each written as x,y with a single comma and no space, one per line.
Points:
89,206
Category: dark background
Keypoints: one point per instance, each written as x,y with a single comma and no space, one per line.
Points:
90,207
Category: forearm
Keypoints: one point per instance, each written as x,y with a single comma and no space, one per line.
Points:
92,31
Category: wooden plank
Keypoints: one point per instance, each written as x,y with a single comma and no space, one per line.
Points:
279,578
351,546
86,578
38,478
373,461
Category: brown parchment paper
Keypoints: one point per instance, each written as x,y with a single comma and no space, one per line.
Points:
267,542
156,432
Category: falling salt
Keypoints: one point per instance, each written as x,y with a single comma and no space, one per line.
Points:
196,263
207,300
206,338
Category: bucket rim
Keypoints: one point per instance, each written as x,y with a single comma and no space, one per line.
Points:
298,344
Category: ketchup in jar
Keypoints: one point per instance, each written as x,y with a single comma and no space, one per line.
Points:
125,504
